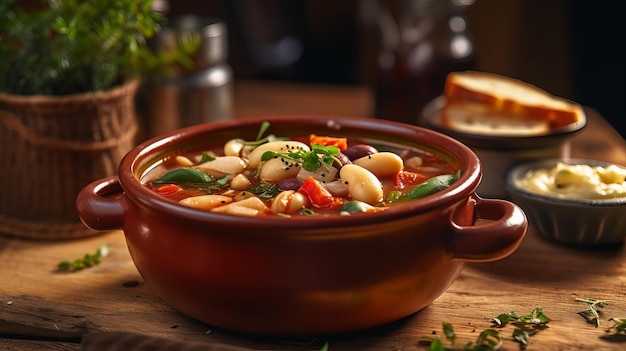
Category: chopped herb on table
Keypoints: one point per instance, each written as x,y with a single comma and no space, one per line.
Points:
487,340
88,260
619,326
491,339
594,308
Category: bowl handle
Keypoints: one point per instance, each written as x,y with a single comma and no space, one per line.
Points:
100,205
486,229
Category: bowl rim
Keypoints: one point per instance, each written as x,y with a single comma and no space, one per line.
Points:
516,171
429,118
460,153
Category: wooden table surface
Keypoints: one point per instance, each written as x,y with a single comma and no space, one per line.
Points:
113,297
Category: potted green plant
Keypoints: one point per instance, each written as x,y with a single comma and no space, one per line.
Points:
69,74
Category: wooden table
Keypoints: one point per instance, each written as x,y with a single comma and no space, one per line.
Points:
113,297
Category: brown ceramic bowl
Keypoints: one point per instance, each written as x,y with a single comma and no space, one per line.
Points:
302,276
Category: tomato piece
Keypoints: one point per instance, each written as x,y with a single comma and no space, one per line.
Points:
169,190
341,143
318,195
404,179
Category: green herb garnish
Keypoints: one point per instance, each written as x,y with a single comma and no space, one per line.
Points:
206,157
311,160
185,175
265,190
262,129
259,140
192,178
307,212
88,260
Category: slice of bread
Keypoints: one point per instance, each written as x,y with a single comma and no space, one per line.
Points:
511,96
481,119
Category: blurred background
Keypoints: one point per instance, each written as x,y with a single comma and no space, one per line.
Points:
570,48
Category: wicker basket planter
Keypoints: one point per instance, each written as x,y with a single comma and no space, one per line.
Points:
50,148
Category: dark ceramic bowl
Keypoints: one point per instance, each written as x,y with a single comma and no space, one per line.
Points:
499,152
580,222
302,276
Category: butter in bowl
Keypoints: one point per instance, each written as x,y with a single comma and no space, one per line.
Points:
572,201
504,121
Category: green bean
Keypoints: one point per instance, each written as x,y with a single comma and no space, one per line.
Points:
431,186
185,175
355,206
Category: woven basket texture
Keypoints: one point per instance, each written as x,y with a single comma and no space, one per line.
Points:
52,147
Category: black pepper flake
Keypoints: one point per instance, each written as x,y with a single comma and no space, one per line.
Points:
346,182
323,175
131,284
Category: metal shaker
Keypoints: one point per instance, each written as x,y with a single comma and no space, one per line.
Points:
199,94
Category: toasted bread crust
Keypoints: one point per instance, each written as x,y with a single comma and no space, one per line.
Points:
511,96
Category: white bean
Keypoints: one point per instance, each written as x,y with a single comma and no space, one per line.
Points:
240,182
254,159
289,201
233,147
362,184
278,168
414,162
183,161
223,165
205,202
251,206
382,164
322,174
242,195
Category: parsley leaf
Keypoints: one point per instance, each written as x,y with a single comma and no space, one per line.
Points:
311,160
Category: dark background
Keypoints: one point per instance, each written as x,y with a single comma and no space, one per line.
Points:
570,48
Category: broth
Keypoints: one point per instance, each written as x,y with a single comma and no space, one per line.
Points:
300,176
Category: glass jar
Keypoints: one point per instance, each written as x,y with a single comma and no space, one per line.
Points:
422,41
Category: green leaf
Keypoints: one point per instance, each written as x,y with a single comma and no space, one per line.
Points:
355,206
262,129
74,46
431,186
206,157
490,338
265,190
521,336
185,175
448,331
88,260
436,345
